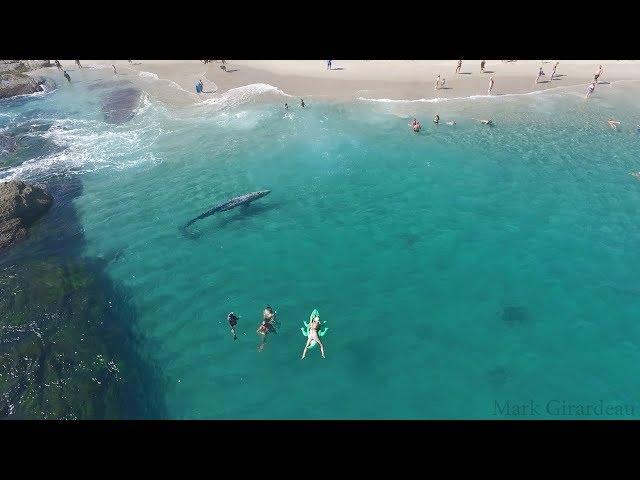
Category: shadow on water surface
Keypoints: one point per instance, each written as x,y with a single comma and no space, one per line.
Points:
68,349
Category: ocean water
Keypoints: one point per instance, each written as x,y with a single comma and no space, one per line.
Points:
460,270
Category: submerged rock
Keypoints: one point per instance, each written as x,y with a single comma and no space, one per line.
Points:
21,205
8,144
515,315
66,351
120,105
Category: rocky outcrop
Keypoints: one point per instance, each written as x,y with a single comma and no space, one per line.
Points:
22,65
21,205
12,84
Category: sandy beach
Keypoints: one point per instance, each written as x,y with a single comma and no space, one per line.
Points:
353,79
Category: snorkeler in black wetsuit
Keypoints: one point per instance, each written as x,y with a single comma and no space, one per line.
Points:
233,321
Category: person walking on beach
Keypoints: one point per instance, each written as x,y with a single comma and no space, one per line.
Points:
314,326
437,82
540,73
598,73
232,318
328,64
482,66
114,69
57,62
66,75
443,82
491,82
459,66
78,63
590,89
302,103
553,72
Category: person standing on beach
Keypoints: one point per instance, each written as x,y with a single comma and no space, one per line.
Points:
491,82
114,69
540,73
590,89
553,72
78,63
482,66
598,73
443,82
57,62
66,75
328,64
437,82
459,66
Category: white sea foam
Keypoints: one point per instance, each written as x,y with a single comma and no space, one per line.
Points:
149,75
237,96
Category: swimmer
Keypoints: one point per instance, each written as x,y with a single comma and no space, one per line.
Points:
314,326
232,318
66,75
491,82
57,62
613,123
436,119
635,174
286,107
459,66
451,122
484,121
590,89
302,103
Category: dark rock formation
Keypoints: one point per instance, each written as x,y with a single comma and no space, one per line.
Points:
20,206
12,84
120,105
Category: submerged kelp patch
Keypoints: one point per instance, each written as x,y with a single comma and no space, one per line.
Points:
515,315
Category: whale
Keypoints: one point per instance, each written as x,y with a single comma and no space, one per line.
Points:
245,199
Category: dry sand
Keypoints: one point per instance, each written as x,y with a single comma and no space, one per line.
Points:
352,79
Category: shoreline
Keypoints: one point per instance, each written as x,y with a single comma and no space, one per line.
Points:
173,82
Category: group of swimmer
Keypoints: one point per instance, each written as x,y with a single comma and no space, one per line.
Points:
417,126
302,104
269,324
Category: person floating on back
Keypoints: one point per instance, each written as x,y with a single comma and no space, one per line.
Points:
66,75
613,123
314,326
233,321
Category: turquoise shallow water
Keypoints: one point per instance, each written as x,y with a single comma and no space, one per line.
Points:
456,268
